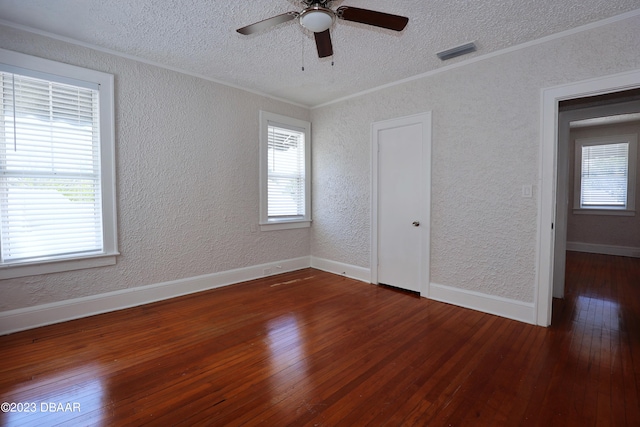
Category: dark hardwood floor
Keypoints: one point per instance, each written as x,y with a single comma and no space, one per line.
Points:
312,348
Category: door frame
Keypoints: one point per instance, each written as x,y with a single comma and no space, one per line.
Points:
424,120
549,175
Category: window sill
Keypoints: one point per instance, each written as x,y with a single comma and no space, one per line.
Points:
55,266
284,225
612,212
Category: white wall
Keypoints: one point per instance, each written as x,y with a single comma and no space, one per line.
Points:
486,146
187,165
187,170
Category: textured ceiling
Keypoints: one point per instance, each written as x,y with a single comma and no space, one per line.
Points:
199,37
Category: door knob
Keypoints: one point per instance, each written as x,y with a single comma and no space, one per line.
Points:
416,223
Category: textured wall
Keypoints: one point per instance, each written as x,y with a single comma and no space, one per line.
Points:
603,229
187,170
486,139
187,165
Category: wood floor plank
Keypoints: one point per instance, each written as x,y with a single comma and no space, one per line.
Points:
310,348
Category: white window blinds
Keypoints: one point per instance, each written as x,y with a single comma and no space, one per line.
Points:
286,173
604,175
50,200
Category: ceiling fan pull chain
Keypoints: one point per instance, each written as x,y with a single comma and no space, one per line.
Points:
302,43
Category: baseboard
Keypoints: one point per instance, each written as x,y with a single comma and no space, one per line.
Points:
595,248
511,309
47,314
348,270
504,307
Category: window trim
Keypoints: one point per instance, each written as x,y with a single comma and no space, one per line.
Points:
265,223
9,61
629,209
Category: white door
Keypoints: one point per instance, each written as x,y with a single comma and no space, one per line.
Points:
402,202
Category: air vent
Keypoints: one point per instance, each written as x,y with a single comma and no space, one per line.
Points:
463,49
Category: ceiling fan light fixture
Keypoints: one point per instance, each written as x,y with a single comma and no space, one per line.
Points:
317,18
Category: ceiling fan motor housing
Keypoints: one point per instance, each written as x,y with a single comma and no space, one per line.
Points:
324,3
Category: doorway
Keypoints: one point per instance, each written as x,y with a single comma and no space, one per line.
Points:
547,218
593,112
401,190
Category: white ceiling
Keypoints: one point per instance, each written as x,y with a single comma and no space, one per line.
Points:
199,37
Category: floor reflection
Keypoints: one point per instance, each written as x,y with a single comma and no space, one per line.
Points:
598,312
288,357
55,400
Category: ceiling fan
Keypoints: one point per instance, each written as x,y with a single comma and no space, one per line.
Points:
318,18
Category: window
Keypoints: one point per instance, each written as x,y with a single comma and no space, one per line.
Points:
57,206
284,172
606,175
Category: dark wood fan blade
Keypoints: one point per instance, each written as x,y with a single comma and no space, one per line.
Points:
371,17
323,43
267,23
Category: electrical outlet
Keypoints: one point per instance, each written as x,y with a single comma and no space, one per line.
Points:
527,191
